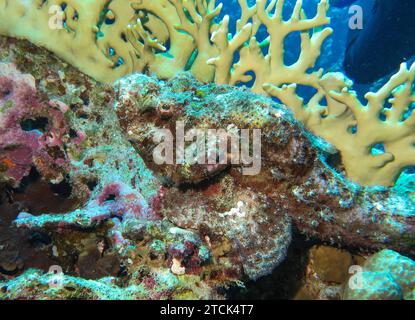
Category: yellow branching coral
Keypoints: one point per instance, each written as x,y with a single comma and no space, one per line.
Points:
391,128
270,68
376,140
75,43
105,39
200,25
111,38
124,40
165,19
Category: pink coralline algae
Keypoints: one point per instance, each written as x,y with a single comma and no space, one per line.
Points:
32,133
116,201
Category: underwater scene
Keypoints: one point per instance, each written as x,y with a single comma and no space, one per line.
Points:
207,150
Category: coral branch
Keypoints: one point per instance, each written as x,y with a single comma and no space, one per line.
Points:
391,128
199,23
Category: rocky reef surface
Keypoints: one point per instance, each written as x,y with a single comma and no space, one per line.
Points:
87,212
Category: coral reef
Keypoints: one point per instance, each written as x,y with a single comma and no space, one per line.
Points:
327,270
118,225
35,284
386,275
120,37
110,39
119,221
375,139
114,228
295,179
